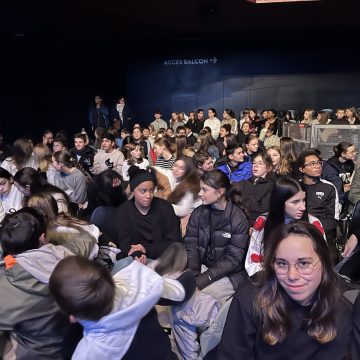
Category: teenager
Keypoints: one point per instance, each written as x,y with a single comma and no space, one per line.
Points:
216,238
69,178
253,195
287,205
11,199
203,162
145,224
133,156
229,117
213,123
165,158
82,152
118,313
295,309
339,169
108,157
322,199
238,167
158,123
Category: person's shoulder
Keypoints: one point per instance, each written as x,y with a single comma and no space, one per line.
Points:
326,184
246,290
162,204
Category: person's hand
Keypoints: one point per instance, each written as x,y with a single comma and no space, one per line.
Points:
267,124
137,247
347,187
142,259
350,245
116,182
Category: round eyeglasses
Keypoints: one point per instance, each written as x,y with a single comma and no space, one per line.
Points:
314,164
303,267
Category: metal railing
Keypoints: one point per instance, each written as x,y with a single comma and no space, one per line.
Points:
322,137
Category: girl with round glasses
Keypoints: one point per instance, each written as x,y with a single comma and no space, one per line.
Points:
294,309
287,205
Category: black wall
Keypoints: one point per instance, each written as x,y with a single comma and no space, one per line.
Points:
282,80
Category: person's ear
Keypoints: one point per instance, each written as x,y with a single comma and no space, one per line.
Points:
72,319
221,192
43,240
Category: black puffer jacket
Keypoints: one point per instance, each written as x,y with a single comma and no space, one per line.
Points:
222,250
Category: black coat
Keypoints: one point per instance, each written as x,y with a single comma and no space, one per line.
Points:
254,196
222,249
242,337
128,117
123,229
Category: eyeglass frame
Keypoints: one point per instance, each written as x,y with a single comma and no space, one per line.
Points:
313,164
261,163
295,265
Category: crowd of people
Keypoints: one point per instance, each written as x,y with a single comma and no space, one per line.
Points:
217,231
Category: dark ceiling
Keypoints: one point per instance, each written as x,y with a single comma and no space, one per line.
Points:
109,25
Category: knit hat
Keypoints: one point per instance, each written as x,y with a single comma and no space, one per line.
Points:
138,176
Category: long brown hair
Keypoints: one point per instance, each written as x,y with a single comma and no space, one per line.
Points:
270,299
288,156
189,182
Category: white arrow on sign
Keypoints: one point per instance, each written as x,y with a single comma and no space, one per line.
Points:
213,60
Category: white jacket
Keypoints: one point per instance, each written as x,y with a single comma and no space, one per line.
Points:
138,289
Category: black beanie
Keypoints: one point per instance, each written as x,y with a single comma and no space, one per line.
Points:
138,176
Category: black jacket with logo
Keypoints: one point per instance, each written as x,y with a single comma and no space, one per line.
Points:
221,249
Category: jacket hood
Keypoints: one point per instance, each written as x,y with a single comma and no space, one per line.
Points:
35,266
138,289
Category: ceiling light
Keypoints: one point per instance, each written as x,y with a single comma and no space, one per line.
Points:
276,1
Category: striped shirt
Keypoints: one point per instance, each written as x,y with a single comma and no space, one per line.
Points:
165,164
